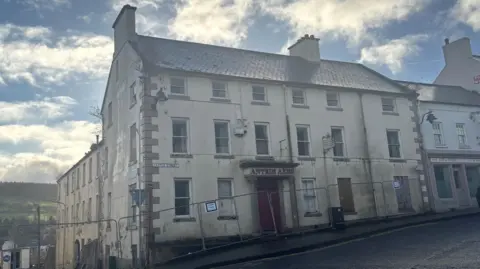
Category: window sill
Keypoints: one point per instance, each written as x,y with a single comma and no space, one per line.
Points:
260,103
184,219
397,160
181,155
464,147
300,106
341,159
390,113
306,158
226,217
220,100
441,146
178,97
264,157
312,214
220,156
331,108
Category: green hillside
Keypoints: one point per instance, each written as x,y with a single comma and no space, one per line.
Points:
17,200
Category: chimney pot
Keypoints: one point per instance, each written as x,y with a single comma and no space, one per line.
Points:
447,41
312,36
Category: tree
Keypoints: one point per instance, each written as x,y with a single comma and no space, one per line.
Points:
96,113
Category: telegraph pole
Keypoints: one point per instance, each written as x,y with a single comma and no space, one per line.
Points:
39,235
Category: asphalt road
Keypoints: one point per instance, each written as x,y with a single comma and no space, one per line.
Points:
445,244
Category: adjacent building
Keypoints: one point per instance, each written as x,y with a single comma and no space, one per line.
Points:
79,206
462,67
451,142
228,141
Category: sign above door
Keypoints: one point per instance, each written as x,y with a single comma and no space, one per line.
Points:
270,172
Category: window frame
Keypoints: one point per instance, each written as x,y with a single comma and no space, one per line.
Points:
267,127
441,134
314,196
304,96
265,95
464,130
184,79
344,148
394,104
230,198
90,169
133,158
190,198
225,90
337,95
309,141
133,94
132,210
187,142
399,143
229,150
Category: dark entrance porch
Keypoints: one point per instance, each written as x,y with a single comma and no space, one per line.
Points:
267,178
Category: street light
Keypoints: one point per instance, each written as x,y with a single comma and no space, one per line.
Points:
429,117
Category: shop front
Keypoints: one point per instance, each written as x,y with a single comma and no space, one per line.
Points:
455,180
272,182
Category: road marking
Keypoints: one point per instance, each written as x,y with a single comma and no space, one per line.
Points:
335,245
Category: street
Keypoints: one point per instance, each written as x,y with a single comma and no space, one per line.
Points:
445,244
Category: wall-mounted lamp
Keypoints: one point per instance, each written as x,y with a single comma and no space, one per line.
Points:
429,117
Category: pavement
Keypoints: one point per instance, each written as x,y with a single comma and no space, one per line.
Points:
244,255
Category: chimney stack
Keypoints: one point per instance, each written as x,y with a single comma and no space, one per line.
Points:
124,27
457,51
306,47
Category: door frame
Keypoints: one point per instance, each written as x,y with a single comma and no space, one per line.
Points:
278,221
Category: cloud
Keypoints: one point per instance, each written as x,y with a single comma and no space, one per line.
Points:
223,22
33,55
44,4
349,19
60,146
467,12
392,53
48,108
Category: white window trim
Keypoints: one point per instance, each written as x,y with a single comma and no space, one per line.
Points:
313,180
265,93
232,197
342,129
338,98
309,139
133,94
465,134
399,143
442,134
188,134
229,137
184,83
190,193
304,95
268,137
394,102
226,89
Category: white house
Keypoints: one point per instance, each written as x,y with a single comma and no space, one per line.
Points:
79,207
462,68
231,141
452,143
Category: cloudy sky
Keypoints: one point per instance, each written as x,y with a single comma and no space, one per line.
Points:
55,55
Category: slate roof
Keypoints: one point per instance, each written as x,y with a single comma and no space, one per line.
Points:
197,57
443,93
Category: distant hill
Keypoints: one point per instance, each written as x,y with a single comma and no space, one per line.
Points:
17,199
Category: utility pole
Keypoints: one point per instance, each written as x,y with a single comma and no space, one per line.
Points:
39,235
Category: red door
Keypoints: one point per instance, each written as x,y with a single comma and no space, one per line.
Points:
264,187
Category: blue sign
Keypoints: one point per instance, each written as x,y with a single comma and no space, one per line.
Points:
6,258
138,196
